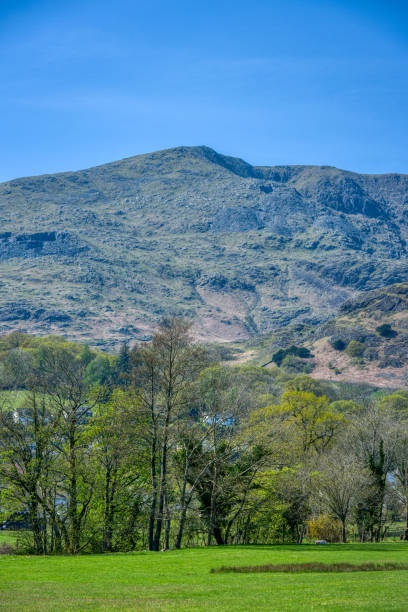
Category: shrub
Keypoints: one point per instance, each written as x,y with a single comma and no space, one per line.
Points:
324,527
298,351
355,348
295,365
385,330
306,384
338,344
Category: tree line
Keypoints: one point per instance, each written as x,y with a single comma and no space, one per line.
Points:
162,447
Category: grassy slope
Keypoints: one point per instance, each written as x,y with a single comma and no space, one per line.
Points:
180,580
385,361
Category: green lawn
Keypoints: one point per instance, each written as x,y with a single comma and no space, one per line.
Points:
8,537
181,580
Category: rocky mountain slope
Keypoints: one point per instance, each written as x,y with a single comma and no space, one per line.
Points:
366,342
102,254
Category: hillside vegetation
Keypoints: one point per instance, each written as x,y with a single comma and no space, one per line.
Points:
102,254
366,342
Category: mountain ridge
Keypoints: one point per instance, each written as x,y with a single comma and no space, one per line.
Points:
103,253
212,155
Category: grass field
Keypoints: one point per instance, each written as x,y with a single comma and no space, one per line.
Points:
8,537
181,580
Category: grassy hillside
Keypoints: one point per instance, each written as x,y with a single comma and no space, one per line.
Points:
102,254
181,580
367,342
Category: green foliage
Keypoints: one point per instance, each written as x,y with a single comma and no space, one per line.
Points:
310,416
305,383
294,365
298,351
159,447
355,348
345,406
396,401
385,330
338,344
98,371
324,527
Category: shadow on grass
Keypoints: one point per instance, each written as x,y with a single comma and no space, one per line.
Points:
313,567
308,547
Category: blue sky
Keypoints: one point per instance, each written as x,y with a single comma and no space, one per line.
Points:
312,82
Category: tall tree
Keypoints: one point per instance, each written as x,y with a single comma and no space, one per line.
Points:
62,378
340,483
25,459
168,369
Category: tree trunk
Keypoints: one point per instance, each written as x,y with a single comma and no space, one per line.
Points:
406,504
109,512
73,517
166,544
153,459
343,531
163,483
212,508
181,527
183,506
35,525
218,535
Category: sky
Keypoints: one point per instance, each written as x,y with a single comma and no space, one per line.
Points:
296,82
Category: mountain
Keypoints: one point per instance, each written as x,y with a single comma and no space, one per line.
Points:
102,254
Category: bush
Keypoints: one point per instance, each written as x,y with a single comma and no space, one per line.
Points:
355,348
385,330
296,365
338,344
306,384
324,527
298,351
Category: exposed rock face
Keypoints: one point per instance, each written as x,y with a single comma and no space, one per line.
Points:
24,311
38,244
346,195
240,219
240,249
388,302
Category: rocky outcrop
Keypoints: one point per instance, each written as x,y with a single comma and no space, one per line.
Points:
239,219
39,244
24,311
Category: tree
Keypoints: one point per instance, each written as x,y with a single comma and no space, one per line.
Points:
25,460
340,483
373,440
397,402
355,348
302,382
61,377
385,330
400,455
310,417
119,454
123,365
169,367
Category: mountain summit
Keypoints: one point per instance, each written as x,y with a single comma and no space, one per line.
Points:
102,254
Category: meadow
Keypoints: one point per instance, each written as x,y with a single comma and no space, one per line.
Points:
182,580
